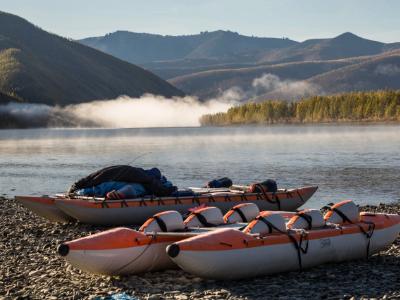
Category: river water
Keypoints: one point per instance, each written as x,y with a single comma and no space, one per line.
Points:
359,162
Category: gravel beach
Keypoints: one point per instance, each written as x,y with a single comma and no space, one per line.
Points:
31,269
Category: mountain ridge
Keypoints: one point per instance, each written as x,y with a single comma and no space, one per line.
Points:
45,68
342,46
144,47
208,50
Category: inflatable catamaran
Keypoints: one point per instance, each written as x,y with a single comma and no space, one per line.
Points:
255,243
268,245
100,211
127,251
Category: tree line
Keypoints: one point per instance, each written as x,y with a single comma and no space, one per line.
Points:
382,105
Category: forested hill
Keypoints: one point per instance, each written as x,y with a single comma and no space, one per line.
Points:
44,68
6,98
374,106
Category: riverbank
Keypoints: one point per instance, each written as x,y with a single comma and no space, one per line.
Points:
31,269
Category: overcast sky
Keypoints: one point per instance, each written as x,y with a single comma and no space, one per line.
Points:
296,19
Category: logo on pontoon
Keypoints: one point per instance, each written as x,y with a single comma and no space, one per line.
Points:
325,242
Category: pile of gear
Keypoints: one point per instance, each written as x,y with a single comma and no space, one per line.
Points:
127,182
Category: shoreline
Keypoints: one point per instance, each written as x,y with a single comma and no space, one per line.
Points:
255,125
298,123
31,268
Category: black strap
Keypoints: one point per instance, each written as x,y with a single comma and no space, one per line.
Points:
160,201
177,200
306,218
243,197
264,192
297,245
241,214
211,198
203,220
195,199
269,224
161,223
368,234
104,203
266,197
328,206
277,201
303,236
300,196
142,202
227,198
342,215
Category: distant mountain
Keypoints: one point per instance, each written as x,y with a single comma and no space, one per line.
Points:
380,72
207,48
391,47
173,56
211,83
147,48
343,46
45,68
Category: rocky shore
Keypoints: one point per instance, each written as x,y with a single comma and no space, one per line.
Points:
31,269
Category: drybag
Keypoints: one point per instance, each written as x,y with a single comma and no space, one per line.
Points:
165,221
244,212
205,217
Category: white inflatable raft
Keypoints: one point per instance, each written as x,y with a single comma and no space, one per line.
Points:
126,251
233,254
135,211
45,207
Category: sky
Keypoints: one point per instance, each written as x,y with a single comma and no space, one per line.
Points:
296,19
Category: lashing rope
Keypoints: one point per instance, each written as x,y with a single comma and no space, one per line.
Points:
243,197
227,198
266,197
297,245
104,203
177,200
124,203
278,201
142,202
160,201
368,234
195,199
153,238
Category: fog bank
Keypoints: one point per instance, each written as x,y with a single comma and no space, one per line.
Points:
149,110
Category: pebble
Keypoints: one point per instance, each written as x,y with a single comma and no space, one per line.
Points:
154,297
31,269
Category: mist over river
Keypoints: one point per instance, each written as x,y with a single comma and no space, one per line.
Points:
359,162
